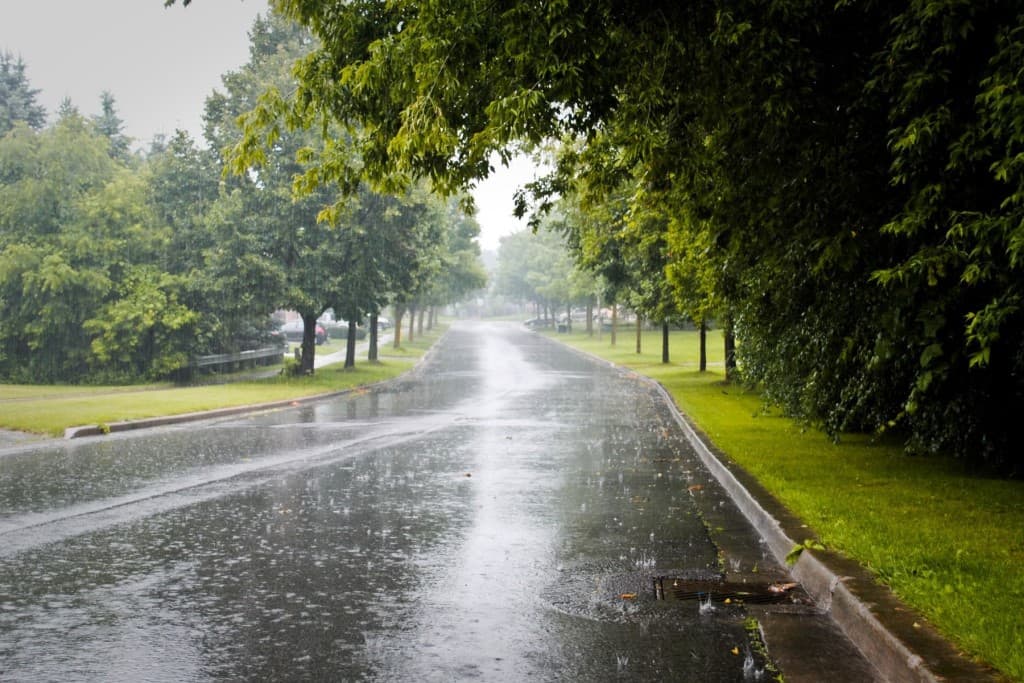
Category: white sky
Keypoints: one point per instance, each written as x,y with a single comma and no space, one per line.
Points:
494,201
161,64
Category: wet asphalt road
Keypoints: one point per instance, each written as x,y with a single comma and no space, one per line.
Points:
500,515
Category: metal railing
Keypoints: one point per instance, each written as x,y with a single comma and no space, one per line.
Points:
242,358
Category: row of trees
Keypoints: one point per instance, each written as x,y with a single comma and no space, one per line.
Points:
117,266
538,268
842,183
584,259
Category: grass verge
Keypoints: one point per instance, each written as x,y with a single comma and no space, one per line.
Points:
948,543
51,409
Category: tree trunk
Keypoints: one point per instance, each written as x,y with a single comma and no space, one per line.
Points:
350,344
639,326
432,318
373,355
568,317
615,322
730,351
664,341
590,319
703,345
399,312
419,323
308,343
412,323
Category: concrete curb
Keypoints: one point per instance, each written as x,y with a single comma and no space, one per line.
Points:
887,632
894,661
145,423
161,421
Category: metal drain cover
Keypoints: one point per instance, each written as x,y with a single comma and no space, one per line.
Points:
678,588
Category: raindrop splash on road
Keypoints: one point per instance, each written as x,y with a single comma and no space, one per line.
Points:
498,515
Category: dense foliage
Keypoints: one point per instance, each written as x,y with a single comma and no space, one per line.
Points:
120,266
853,170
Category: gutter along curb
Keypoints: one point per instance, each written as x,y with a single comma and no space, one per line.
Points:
888,633
884,629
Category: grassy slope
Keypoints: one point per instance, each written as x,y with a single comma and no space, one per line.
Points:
51,409
948,543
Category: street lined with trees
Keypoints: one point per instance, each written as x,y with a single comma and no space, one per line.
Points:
839,189
847,178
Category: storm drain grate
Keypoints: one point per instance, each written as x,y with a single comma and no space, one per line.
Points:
672,588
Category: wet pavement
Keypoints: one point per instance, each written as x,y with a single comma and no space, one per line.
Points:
511,511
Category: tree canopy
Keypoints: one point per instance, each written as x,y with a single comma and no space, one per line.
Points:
853,171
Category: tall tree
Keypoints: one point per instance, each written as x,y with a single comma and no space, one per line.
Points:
274,236
17,97
109,125
461,271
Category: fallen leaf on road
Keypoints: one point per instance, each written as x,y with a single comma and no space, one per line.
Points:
781,587
628,596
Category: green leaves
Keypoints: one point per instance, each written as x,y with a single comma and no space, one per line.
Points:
145,331
835,180
794,554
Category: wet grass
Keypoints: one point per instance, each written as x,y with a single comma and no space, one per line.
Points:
19,392
51,409
948,542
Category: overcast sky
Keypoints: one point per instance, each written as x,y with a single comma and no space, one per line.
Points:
161,64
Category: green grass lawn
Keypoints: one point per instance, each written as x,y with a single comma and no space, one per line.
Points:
949,543
51,409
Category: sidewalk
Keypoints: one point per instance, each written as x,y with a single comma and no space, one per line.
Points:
362,349
319,361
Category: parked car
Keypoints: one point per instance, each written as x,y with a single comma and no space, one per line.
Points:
259,334
338,329
294,329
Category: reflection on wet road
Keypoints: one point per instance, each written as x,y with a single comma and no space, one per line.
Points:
499,515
